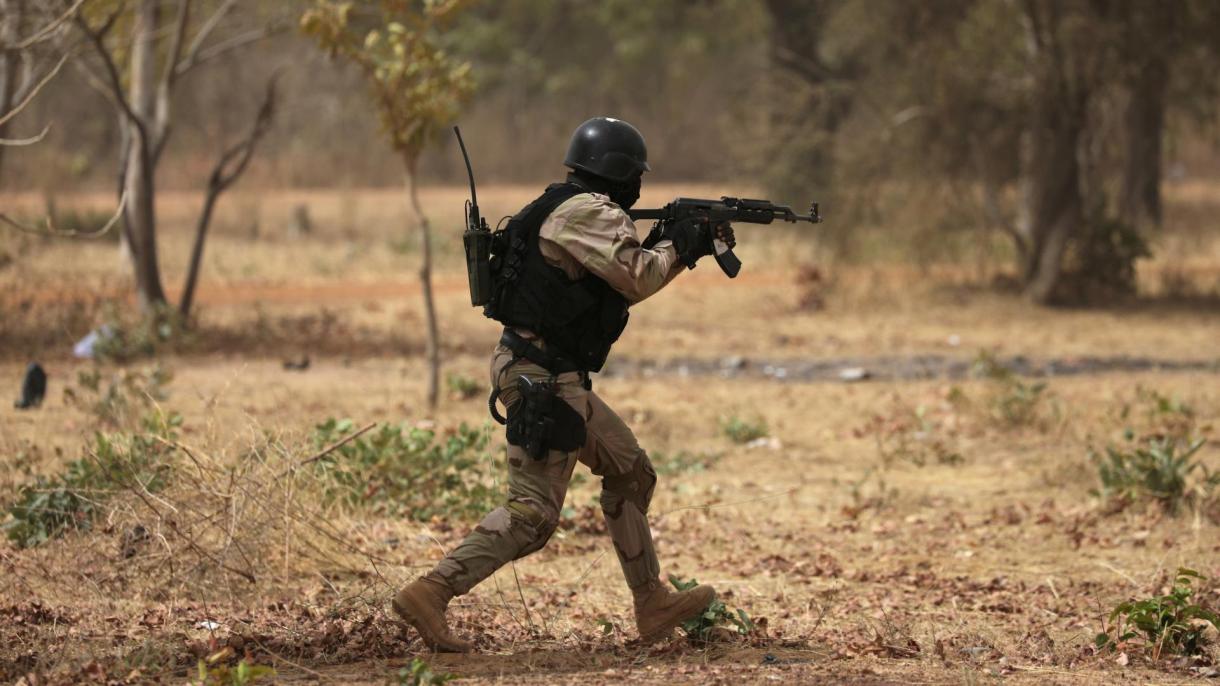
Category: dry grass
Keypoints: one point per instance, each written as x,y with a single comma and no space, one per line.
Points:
869,565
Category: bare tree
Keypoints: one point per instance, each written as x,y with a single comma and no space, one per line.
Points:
158,59
32,53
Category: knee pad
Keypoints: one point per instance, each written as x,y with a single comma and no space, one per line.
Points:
635,486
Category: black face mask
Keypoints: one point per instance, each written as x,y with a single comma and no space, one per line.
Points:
627,193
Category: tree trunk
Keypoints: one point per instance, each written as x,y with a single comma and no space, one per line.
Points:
139,181
1051,185
13,12
1144,124
201,234
425,280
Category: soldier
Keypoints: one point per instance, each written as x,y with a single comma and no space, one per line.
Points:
562,284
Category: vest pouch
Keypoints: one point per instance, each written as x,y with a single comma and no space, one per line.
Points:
478,264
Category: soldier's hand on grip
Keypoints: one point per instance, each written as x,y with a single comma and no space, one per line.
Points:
692,238
724,234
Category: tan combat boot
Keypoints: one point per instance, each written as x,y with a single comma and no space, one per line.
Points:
659,610
422,605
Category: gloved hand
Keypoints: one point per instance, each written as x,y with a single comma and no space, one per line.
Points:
692,237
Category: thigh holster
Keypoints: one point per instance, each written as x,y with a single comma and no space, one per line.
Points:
541,421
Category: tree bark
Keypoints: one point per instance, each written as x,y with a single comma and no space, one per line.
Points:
425,279
14,13
1051,186
139,181
1144,124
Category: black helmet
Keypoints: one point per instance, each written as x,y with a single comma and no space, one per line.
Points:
609,148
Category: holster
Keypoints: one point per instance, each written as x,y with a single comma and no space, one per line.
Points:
541,421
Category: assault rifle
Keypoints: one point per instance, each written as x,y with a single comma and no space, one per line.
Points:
735,210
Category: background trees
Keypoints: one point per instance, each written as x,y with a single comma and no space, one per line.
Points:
1047,124
157,52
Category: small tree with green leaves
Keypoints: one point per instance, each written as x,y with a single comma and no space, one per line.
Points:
416,86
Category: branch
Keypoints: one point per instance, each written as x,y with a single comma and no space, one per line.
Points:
204,31
18,142
223,47
115,83
244,150
160,122
231,165
6,116
43,33
51,230
326,451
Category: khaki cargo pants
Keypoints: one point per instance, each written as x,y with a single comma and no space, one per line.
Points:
536,489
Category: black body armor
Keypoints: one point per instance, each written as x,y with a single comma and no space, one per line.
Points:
578,319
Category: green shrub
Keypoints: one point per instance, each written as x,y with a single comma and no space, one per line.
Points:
1164,625
717,616
401,470
462,387
1159,469
419,673
215,671
124,338
48,507
743,431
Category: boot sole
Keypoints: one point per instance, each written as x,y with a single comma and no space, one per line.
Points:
407,616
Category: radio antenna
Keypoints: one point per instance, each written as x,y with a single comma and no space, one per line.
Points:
474,198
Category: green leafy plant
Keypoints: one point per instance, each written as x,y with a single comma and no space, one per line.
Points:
123,338
743,431
420,673
1157,469
462,387
48,507
401,470
1012,402
1171,624
716,617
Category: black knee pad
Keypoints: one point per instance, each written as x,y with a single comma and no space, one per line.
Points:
635,486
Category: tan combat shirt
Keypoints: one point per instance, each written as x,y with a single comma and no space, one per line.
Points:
590,233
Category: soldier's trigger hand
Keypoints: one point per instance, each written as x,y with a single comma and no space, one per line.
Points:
724,234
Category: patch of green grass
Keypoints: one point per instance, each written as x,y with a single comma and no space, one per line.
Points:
742,431
49,507
717,616
1156,469
684,462
400,470
462,387
1172,624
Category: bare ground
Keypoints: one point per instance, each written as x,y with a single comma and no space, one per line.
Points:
900,530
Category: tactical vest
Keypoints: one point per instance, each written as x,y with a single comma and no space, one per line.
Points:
578,319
